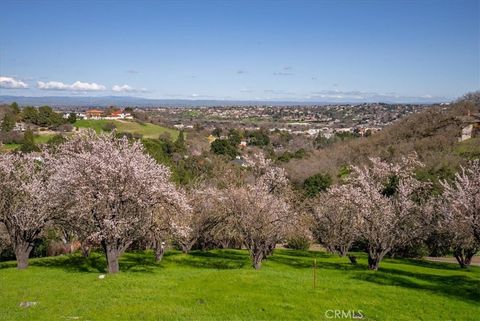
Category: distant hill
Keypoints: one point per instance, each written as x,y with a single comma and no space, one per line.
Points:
127,101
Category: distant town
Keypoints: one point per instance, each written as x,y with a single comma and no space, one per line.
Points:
308,120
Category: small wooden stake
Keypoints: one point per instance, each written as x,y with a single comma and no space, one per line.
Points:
314,272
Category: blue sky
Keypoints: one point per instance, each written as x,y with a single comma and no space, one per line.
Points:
270,50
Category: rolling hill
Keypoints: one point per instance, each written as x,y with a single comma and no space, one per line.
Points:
147,130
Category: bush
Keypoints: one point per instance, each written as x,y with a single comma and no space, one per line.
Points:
298,242
108,127
316,184
417,250
258,138
11,137
129,136
65,128
28,143
223,147
56,140
287,156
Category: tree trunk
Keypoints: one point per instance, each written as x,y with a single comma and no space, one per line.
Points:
224,244
112,254
374,258
373,263
464,257
85,250
159,251
353,259
22,252
185,249
269,250
342,250
257,257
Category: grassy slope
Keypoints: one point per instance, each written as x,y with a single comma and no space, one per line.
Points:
148,130
220,285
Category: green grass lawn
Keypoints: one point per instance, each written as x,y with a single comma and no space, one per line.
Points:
220,285
148,130
469,149
39,139
43,138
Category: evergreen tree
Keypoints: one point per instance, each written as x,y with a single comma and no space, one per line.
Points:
72,118
15,108
8,122
28,144
180,142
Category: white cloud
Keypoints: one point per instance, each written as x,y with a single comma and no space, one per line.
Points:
76,86
128,89
52,85
12,83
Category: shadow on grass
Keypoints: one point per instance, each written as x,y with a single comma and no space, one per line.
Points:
459,286
217,259
139,262
453,266
306,261
303,254
73,263
95,263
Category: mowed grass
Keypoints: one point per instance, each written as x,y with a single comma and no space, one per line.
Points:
147,130
221,285
38,139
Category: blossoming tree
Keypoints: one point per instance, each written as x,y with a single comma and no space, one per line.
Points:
259,209
201,224
111,189
336,219
460,213
389,200
25,207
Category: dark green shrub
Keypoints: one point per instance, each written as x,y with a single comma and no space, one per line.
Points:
298,242
316,184
108,127
223,147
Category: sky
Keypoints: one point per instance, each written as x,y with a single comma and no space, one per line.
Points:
338,50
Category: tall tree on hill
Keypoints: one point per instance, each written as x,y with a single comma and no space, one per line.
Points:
8,122
15,108
28,143
217,131
180,142
72,118
111,190
30,115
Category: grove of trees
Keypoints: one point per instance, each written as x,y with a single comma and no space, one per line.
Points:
113,192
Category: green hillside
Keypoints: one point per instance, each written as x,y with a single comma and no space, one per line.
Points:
147,130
